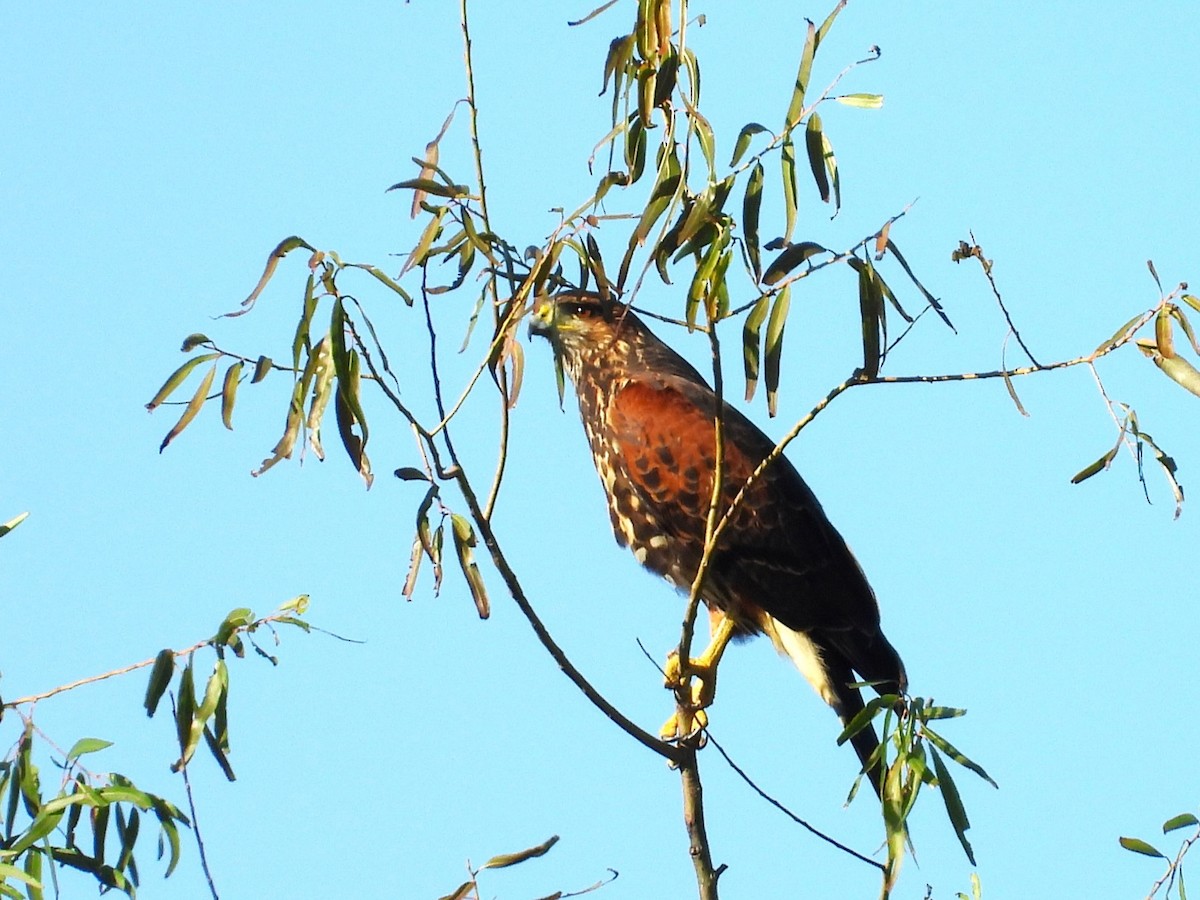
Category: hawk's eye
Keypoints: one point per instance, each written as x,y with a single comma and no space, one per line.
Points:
578,309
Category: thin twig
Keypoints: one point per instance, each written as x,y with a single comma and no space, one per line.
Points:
125,670
693,817
187,787
787,812
986,265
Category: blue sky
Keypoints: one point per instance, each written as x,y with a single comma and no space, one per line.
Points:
155,154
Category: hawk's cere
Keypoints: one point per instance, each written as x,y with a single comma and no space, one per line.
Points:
780,568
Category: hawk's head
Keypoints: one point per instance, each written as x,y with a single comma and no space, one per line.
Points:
591,335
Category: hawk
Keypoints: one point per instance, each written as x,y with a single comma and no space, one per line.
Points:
779,569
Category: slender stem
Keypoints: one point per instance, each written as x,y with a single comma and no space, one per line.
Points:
787,812
125,670
187,787
693,818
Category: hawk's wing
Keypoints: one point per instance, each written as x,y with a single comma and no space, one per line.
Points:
780,553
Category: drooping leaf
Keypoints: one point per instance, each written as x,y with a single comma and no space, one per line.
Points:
954,805
13,523
815,148
751,207
791,257
774,345
177,378
190,411
464,541
796,105
787,162
286,246
511,859
742,144
229,393
752,343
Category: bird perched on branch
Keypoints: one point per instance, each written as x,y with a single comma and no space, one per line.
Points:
779,568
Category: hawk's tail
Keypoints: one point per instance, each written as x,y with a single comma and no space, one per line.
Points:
828,663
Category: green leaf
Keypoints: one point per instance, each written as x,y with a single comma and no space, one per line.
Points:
1183,820
42,824
190,411
1137,845
408,473
1180,371
463,889
192,341
955,754
13,523
752,343
791,257
870,302
464,540
185,709
787,161
177,378
7,871
861,101
751,206
429,186
229,393
743,141
796,105
511,859
1099,465
954,806
86,745
286,246
261,368
814,145
774,344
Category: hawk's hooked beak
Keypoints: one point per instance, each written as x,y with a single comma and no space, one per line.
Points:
541,320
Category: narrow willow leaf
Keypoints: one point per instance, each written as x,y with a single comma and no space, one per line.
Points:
429,186
751,206
620,52
177,378
742,144
954,805
861,101
828,23
1192,301
160,680
647,89
870,302
219,754
1178,316
1181,372
814,145
185,709
1137,845
190,411
464,889
955,754
1163,338
752,343
789,259
787,162
511,859
464,541
261,368
86,745
42,824
384,279
10,525
229,393
286,246
420,252
1183,820
1154,274
1012,393
929,298
352,442
796,105
774,345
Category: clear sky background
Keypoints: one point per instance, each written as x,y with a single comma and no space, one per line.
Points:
153,154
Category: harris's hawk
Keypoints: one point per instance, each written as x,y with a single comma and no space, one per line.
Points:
780,568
